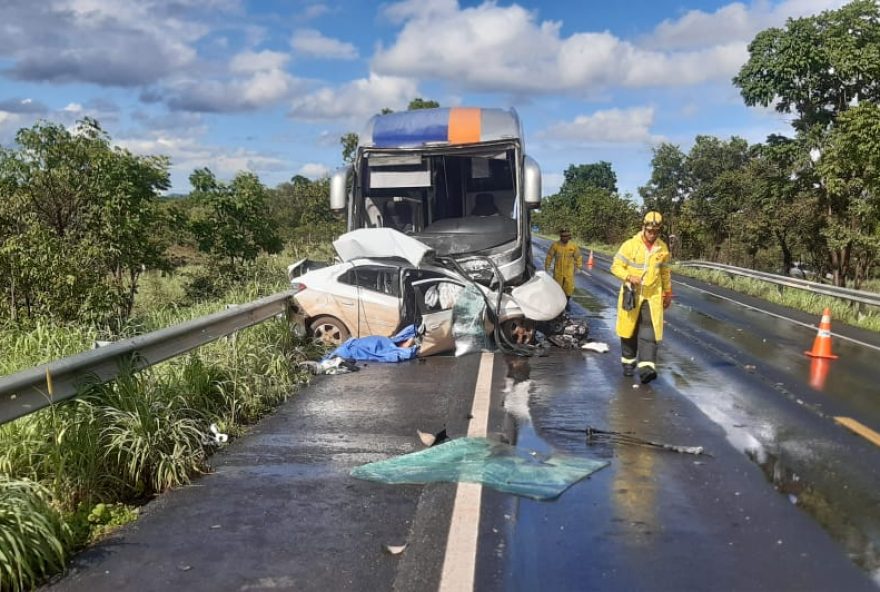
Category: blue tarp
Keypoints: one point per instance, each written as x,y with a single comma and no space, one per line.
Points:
377,349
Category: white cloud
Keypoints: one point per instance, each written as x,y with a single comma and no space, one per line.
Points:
355,100
733,22
314,170
313,43
188,153
313,11
490,47
111,43
248,62
611,126
262,81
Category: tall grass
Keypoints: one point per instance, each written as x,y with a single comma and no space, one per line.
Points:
120,443
33,537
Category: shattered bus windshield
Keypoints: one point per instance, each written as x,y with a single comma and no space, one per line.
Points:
455,203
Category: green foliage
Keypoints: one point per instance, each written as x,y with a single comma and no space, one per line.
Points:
817,66
302,210
235,225
420,103
33,537
586,206
349,142
821,68
78,224
597,174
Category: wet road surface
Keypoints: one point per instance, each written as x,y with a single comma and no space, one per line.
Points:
787,501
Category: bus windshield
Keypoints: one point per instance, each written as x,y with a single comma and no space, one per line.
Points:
454,202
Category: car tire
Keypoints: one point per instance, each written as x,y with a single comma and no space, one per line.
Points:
329,330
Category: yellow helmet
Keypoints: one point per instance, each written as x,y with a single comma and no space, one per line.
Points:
653,219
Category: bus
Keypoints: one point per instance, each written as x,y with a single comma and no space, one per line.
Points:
456,179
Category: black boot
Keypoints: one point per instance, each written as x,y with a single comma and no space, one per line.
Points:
628,369
647,374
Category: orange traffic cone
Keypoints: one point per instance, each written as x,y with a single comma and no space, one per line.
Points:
822,343
590,260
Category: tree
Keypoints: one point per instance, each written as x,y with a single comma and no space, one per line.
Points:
301,208
420,103
349,143
78,222
235,226
597,174
818,68
850,171
588,204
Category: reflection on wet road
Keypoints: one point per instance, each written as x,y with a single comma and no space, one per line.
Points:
717,363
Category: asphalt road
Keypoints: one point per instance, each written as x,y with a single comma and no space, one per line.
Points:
786,501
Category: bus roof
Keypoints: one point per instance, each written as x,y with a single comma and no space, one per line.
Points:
453,126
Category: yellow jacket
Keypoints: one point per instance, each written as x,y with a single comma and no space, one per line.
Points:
635,258
568,259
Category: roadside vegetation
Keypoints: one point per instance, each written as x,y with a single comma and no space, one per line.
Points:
91,251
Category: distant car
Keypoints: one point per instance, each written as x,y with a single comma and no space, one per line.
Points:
381,295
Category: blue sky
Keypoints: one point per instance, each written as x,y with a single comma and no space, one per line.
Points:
270,86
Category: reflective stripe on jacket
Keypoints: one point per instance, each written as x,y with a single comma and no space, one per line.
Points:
634,258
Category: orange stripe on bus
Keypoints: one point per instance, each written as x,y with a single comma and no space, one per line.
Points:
464,125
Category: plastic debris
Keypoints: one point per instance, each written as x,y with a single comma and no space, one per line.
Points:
219,437
596,346
394,549
332,365
478,460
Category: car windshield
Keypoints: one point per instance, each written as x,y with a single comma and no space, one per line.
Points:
471,197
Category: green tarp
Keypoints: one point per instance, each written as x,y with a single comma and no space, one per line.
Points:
478,460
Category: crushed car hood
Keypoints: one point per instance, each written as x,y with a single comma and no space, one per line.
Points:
540,298
381,242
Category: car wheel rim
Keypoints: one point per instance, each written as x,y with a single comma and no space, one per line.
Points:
328,333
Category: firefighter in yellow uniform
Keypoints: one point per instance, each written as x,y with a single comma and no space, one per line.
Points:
567,258
642,264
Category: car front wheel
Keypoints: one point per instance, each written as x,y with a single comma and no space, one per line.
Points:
329,330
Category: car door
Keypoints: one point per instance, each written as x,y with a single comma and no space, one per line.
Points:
368,299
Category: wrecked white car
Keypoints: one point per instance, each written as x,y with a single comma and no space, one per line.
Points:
387,280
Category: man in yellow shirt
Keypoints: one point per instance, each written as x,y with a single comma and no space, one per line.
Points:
642,264
565,256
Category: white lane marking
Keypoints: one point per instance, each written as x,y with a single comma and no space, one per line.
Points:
460,563
778,316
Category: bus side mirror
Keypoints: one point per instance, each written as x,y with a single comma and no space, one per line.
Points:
339,188
531,183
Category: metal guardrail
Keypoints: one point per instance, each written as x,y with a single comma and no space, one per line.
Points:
29,390
860,296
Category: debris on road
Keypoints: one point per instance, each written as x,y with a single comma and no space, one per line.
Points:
595,434
493,464
330,365
429,439
596,346
394,549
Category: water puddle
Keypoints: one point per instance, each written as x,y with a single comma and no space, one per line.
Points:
776,453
